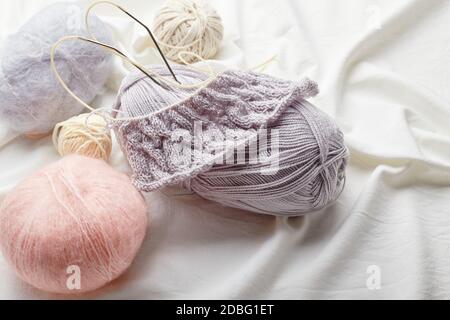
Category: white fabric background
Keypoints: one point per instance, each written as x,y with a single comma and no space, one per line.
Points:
389,89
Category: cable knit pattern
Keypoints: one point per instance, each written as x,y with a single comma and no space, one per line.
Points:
236,102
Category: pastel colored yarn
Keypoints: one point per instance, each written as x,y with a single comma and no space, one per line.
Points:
31,100
312,153
188,25
86,134
78,212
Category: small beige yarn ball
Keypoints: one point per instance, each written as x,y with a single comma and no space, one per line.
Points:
188,25
86,134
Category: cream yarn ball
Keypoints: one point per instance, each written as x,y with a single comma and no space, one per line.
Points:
86,134
188,25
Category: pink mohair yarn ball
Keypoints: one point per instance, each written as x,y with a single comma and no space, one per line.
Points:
73,227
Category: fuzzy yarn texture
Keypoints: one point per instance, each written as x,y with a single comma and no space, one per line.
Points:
312,155
78,213
188,25
31,99
86,134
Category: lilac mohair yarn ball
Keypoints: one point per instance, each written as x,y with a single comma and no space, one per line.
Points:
32,101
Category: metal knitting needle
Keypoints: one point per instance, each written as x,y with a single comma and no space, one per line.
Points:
141,24
154,41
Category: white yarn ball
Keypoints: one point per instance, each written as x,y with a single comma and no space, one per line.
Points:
188,25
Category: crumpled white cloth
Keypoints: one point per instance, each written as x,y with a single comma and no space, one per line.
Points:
384,71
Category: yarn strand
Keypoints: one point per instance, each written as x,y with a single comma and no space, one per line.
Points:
152,75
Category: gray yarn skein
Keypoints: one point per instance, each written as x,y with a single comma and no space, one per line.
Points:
311,169
31,99
312,153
